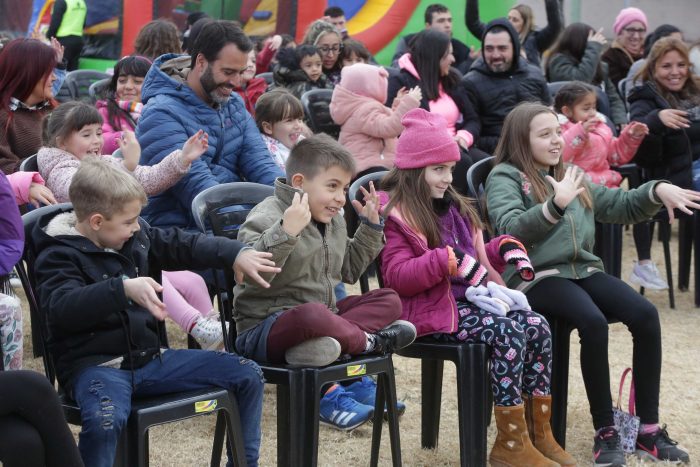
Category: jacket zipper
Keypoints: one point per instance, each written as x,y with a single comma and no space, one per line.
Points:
570,217
327,261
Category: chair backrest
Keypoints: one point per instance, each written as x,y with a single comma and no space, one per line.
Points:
29,164
602,101
81,80
316,107
66,92
223,208
476,182
25,270
267,76
96,89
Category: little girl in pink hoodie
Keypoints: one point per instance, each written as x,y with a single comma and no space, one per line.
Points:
368,128
588,141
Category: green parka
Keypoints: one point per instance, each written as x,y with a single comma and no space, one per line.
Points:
559,245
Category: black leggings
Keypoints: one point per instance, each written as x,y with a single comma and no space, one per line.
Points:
587,303
642,240
33,430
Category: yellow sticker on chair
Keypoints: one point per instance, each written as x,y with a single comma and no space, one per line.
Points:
357,370
205,406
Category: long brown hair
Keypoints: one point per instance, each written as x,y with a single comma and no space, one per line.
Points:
408,189
691,88
514,148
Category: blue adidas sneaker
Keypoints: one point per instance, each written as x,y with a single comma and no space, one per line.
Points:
365,392
339,410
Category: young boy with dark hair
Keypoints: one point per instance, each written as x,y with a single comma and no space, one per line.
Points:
95,283
297,319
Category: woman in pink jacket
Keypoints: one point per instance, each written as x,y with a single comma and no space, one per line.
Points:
368,129
435,258
589,141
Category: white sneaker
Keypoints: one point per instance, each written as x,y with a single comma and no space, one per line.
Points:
208,334
647,276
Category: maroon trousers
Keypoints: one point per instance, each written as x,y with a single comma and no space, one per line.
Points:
357,315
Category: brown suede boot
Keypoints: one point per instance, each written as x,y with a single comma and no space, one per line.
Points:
513,447
538,411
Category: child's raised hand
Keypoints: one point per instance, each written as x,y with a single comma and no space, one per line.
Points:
675,197
674,118
371,208
131,150
39,194
195,146
637,130
58,50
251,263
297,216
275,42
568,188
144,291
416,93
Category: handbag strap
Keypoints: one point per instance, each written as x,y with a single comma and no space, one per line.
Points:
631,400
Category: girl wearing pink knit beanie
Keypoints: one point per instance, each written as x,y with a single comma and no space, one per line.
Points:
450,287
630,27
368,129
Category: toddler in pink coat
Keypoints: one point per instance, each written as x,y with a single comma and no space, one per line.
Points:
369,129
588,141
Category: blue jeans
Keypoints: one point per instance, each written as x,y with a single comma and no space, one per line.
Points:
104,396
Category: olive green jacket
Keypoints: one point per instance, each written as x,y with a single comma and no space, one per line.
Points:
312,264
559,245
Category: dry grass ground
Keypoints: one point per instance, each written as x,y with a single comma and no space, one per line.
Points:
189,443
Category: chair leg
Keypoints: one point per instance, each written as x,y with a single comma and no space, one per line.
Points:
561,335
696,266
472,403
234,434
616,257
290,421
665,237
386,392
685,245
431,390
219,434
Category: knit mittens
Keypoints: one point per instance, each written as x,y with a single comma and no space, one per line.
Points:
469,268
514,252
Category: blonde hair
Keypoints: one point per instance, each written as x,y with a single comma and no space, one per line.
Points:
528,20
317,29
99,187
514,148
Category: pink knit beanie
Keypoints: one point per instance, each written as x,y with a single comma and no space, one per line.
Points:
365,80
425,141
627,16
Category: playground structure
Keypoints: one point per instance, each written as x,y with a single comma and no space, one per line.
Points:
112,25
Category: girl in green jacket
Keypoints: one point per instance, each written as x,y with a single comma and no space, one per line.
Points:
533,196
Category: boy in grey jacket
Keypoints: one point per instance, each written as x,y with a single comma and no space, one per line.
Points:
297,319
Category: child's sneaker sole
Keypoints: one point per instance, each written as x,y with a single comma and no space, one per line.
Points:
319,351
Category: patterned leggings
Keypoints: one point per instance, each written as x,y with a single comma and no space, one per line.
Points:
521,343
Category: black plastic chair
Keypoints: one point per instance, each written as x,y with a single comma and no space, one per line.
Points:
29,164
97,89
316,107
267,76
223,209
80,82
471,362
66,92
145,412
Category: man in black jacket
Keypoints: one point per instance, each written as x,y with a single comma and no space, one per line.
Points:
499,80
439,18
95,284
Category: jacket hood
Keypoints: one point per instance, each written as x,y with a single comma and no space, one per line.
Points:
514,38
168,75
62,224
405,63
365,80
344,104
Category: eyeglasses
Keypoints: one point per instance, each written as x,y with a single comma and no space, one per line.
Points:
325,50
633,31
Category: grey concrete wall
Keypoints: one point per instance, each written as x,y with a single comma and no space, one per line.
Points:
685,14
